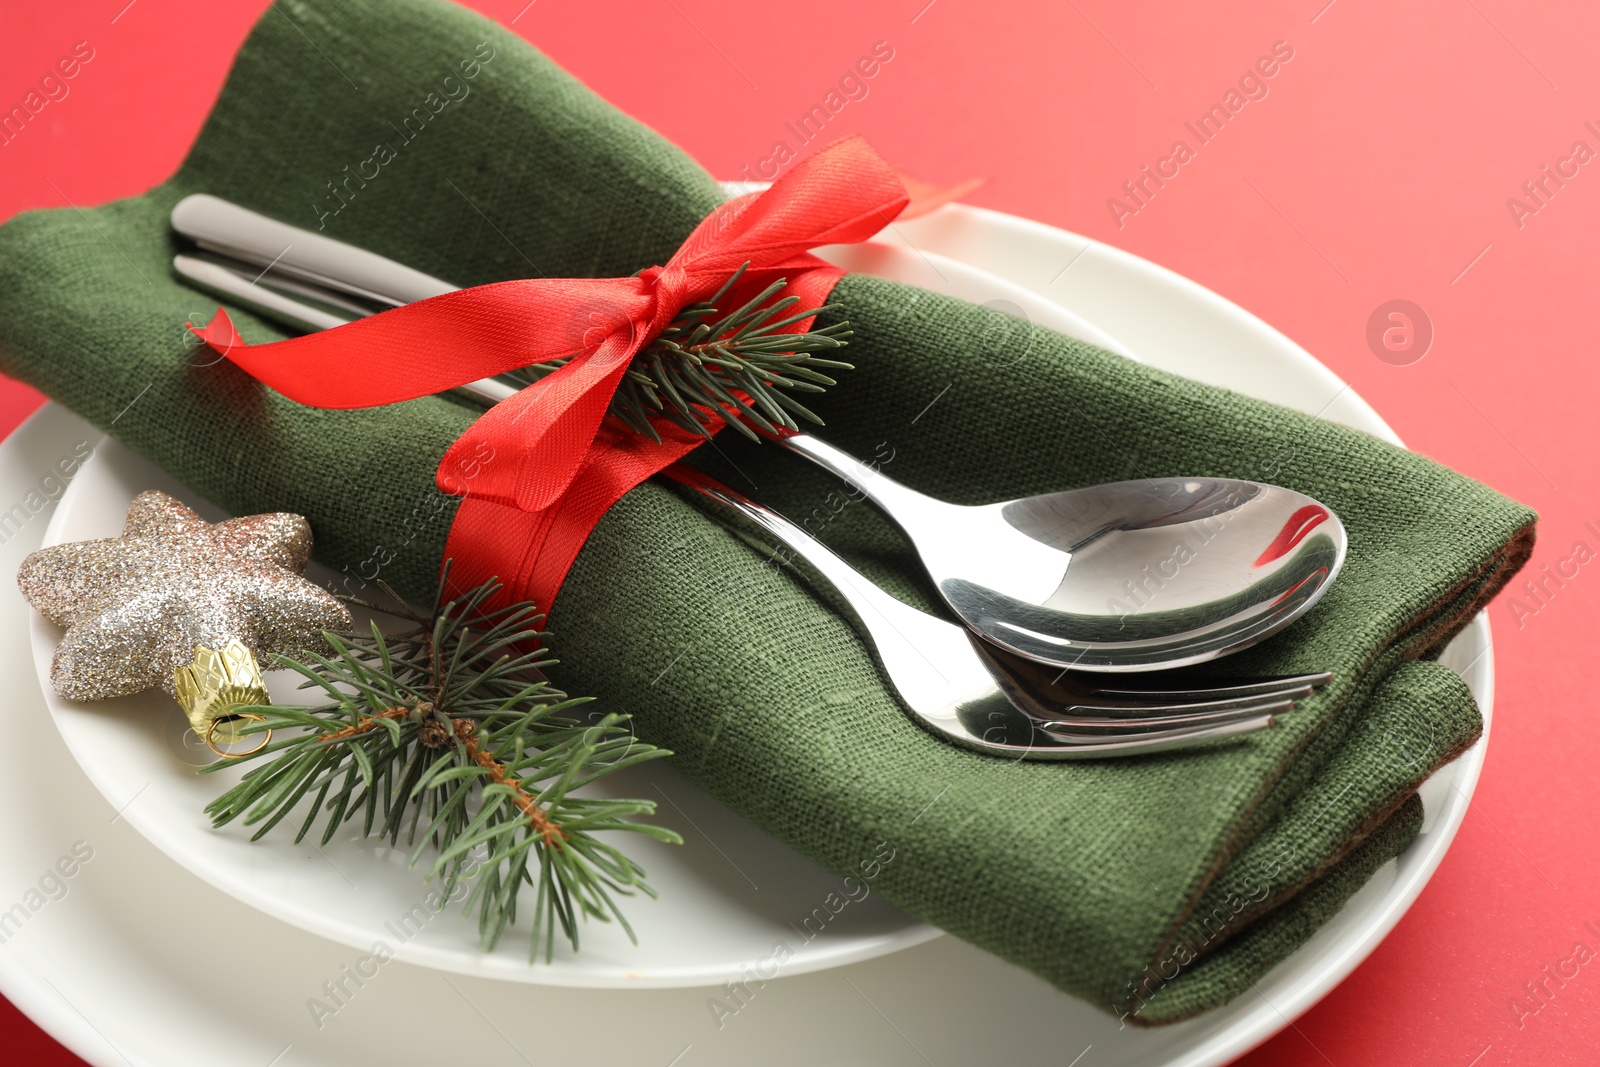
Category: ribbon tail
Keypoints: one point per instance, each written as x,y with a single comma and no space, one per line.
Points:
926,197
219,333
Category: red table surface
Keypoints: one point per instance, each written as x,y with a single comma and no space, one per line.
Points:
1383,162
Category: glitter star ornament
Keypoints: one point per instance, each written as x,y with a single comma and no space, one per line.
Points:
180,604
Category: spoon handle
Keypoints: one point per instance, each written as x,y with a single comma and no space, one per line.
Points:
226,228
907,507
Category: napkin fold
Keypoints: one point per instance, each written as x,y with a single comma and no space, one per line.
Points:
1155,887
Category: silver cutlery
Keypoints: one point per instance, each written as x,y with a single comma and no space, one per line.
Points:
1128,576
959,686
969,693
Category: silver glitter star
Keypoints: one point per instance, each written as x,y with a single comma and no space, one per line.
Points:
136,606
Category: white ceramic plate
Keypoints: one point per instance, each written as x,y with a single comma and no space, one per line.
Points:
725,897
140,963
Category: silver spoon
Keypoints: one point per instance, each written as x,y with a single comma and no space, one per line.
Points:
1127,576
1124,576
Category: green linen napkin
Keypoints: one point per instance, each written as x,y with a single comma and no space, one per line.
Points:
427,134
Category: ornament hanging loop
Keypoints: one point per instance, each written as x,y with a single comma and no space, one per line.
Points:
229,720
216,688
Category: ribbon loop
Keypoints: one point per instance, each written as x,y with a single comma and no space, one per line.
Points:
539,469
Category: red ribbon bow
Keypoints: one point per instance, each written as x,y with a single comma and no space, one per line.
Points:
538,470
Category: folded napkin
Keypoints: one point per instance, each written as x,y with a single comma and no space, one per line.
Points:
1154,887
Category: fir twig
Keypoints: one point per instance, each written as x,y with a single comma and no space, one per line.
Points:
741,366
450,735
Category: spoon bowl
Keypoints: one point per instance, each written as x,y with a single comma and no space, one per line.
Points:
1125,576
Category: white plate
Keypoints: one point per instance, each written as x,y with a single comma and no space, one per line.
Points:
725,897
140,963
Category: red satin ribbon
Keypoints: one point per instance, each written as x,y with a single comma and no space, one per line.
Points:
540,469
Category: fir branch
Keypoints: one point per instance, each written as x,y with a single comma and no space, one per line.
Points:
450,735
741,366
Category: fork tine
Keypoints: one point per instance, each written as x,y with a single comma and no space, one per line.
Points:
1109,725
1101,746
1134,709
1230,689
1047,694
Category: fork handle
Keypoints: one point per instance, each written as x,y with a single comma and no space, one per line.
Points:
922,655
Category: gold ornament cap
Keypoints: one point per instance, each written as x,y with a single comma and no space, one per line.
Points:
216,689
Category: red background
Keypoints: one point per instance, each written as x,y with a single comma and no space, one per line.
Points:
1377,168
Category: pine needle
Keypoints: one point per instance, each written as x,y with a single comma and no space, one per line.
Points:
449,737
738,366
